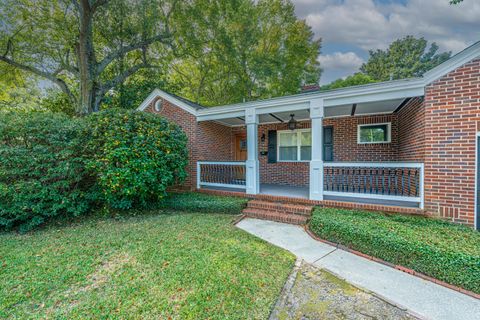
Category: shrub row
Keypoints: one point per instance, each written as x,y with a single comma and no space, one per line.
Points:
198,202
52,164
439,249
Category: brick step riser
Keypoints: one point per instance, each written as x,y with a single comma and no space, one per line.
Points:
276,216
280,207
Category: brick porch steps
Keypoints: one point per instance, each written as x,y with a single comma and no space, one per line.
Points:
289,208
277,211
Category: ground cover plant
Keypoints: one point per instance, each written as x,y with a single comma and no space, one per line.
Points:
439,249
157,266
200,202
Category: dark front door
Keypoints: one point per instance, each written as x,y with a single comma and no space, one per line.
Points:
327,143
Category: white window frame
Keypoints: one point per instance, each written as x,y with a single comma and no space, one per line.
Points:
299,141
389,133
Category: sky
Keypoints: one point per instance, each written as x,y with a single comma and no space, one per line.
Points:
349,28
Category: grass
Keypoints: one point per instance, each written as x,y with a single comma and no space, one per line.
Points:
439,249
158,266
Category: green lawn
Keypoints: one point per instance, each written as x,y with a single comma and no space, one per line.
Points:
437,248
188,266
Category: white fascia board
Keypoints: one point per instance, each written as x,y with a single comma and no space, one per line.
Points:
160,93
453,63
220,115
375,97
374,92
283,108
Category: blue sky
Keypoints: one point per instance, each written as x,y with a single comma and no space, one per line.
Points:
349,28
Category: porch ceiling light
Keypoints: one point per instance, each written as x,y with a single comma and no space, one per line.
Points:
292,124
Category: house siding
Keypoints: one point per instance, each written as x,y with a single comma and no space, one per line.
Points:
452,115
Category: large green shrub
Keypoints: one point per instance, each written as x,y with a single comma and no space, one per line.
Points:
135,156
199,202
436,248
41,168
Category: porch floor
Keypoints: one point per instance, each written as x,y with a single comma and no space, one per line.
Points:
303,193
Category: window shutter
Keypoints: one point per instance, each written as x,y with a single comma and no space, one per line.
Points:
328,144
272,146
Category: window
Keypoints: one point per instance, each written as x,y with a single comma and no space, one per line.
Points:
159,105
295,145
374,133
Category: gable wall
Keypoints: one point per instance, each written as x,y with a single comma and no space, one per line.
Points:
452,115
206,140
188,123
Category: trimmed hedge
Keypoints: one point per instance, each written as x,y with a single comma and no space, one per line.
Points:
436,248
42,169
199,202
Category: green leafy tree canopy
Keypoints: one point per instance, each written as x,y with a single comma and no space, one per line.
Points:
353,80
405,58
239,50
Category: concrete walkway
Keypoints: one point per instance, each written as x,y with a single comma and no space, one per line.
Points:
421,297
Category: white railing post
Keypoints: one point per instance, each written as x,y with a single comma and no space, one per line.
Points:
316,164
422,186
252,163
199,174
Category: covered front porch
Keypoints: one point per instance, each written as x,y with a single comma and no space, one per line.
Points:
318,150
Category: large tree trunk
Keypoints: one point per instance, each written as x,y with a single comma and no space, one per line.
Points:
86,60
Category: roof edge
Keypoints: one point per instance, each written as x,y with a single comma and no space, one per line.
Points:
167,96
466,55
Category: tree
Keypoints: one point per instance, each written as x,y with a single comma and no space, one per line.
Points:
243,50
405,58
18,90
85,47
455,1
353,80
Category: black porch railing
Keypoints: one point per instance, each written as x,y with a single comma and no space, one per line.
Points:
386,179
221,174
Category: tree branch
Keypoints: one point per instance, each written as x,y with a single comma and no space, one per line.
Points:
59,82
126,49
123,76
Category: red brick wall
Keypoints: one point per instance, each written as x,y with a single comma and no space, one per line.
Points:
215,142
452,115
411,131
345,146
188,123
206,140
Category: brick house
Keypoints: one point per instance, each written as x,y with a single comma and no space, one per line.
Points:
407,146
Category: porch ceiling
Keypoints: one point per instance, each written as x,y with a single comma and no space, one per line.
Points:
368,108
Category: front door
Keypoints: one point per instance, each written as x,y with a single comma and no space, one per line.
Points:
240,147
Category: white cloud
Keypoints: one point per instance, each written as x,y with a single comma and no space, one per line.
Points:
370,25
339,60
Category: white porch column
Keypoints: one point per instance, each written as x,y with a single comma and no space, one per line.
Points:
316,165
252,163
